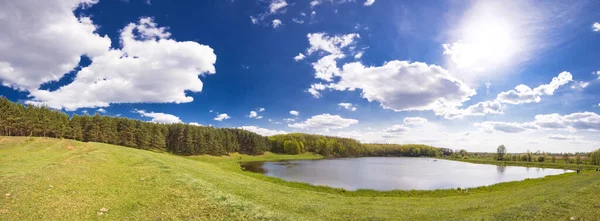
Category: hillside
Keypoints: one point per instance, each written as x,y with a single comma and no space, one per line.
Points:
54,179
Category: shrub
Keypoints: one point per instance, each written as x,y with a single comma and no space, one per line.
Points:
541,159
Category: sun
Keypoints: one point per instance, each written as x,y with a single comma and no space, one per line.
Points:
485,40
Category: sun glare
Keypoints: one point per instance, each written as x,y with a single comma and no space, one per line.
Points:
485,40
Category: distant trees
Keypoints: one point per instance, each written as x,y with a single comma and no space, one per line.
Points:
595,157
501,152
463,153
17,119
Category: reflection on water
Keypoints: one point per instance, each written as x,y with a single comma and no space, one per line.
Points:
389,173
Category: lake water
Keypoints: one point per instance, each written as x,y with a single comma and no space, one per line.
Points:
395,173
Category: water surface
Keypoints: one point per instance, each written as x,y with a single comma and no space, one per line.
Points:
395,173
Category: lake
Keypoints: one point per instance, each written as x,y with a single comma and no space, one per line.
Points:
395,173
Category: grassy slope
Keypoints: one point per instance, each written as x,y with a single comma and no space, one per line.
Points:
559,164
48,181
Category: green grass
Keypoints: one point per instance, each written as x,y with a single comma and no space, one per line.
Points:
547,164
52,179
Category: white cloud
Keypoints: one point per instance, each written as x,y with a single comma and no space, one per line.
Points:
414,121
159,117
288,120
253,114
276,23
299,57
262,131
150,68
369,2
491,126
579,85
295,113
348,106
333,45
277,5
562,137
315,88
195,124
298,21
521,94
254,20
401,85
588,121
101,110
260,109
394,131
358,55
596,27
221,117
314,3
397,85
42,41
597,73
579,121
524,94
324,122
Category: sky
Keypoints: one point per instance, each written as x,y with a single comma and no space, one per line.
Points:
456,74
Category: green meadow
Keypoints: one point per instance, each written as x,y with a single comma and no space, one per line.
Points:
60,179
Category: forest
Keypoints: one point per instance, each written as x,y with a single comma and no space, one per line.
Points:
17,119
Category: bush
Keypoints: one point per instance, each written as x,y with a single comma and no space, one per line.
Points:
541,159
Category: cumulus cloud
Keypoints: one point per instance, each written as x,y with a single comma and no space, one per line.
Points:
478,109
324,122
159,117
597,73
43,40
276,23
358,55
289,120
414,121
315,88
260,109
221,117
262,131
401,85
295,113
277,5
396,85
520,95
579,121
524,94
299,57
507,127
571,122
596,27
398,128
579,85
331,44
254,114
149,68
195,124
101,110
369,2
314,3
348,106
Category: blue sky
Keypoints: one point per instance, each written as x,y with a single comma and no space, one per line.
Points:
456,74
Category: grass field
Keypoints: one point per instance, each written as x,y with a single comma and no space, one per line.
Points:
52,179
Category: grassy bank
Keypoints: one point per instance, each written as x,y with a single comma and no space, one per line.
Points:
556,165
54,179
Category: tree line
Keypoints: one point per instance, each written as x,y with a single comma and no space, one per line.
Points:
17,119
